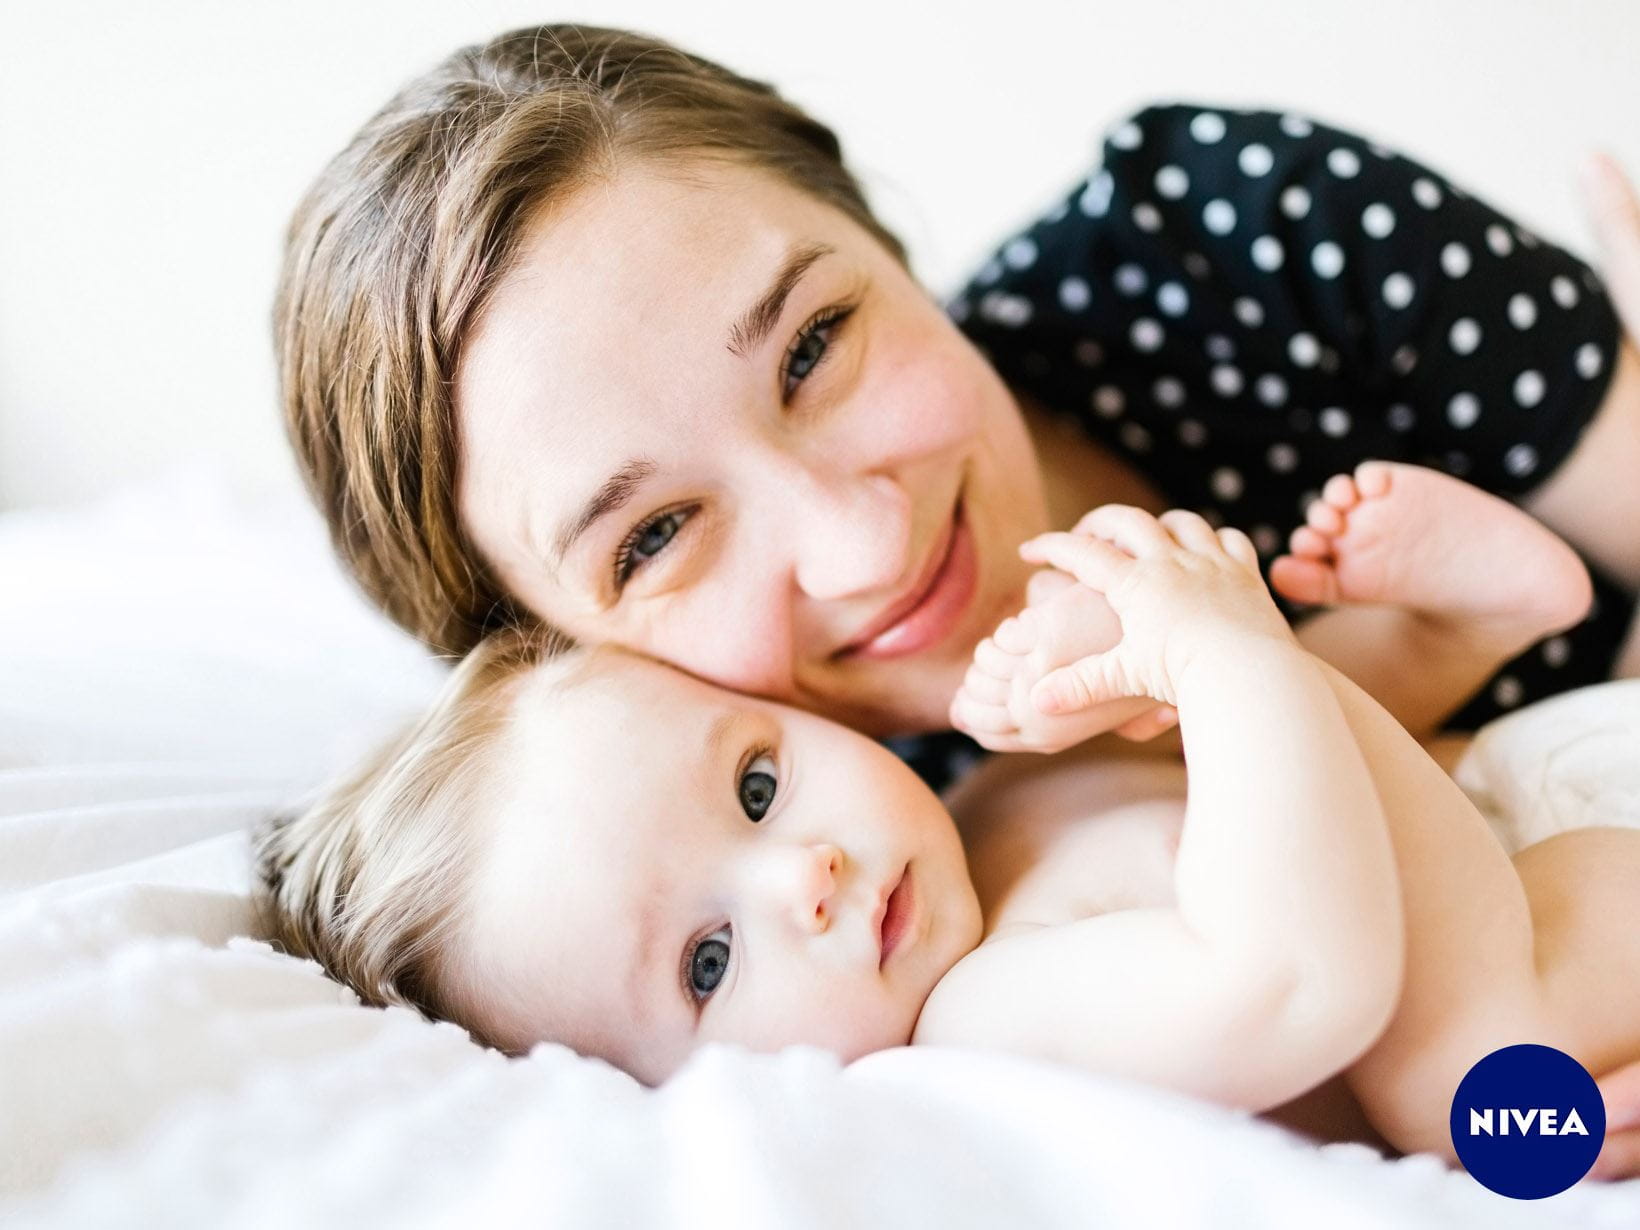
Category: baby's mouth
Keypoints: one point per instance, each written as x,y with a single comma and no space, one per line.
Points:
896,915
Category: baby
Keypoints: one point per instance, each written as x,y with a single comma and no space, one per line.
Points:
587,847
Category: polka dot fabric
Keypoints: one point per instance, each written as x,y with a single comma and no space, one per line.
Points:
1243,303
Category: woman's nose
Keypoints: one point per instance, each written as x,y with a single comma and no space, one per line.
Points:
851,535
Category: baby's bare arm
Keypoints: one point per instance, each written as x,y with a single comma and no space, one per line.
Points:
1282,960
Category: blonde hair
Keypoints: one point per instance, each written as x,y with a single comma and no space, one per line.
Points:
369,881
392,254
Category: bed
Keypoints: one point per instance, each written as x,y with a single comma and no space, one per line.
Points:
181,660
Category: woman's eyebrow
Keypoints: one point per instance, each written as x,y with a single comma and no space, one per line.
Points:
612,493
747,333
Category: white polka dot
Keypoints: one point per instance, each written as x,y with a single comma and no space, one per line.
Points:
1267,253
1327,259
1168,391
1295,202
1005,309
989,272
1334,421
1455,260
1172,182
1563,291
1020,253
958,309
1588,360
1172,299
1208,127
1074,293
1296,126
1282,458
1463,410
1426,193
1196,265
1134,437
1400,417
1304,350
1557,651
1095,198
1058,212
1256,159
1465,335
1266,541
1529,388
1378,220
1507,691
1226,483
1191,433
1526,237
1089,353
1398,290
1127,136
1403,360
1344,163
1226,380
1131,279
1108,401
1220,348
1146,335
1522,311
1147,217
1271,390
1249,311
1520,460
1499,241
1219,216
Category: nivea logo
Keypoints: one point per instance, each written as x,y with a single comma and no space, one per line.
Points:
1539,1119
1527,1121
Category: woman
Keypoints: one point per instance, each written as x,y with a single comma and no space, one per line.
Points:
584,330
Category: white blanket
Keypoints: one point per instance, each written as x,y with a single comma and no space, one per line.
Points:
176,666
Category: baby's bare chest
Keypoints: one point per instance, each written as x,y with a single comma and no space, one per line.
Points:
1071,839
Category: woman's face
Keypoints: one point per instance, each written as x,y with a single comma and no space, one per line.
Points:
710,418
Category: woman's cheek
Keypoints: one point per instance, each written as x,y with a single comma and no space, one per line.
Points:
746,651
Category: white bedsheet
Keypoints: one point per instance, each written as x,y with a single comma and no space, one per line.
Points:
175,666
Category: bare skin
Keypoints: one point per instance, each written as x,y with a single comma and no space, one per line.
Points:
1495,952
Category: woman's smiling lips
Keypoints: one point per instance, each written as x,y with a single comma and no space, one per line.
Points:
933,606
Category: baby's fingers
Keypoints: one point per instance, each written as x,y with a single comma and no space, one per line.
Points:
1092,561
1133,529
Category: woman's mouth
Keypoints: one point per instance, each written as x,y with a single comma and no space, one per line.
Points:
932,608
898,912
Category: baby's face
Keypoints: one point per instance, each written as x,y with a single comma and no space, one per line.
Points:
672,864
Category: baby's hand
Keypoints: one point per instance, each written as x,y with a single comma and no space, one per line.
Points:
1179,588
1063,622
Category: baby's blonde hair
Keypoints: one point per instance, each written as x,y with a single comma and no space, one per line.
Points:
369,880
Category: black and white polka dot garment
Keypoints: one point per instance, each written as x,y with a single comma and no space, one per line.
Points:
1243,303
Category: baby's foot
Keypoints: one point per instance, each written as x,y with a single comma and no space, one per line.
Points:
1413,537
1063,622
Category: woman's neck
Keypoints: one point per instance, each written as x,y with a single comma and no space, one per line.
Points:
1079,474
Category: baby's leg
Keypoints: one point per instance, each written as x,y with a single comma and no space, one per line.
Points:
1494,956
1441,584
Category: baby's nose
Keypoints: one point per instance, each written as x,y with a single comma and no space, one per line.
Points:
814,885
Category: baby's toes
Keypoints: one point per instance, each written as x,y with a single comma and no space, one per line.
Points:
993,660
1305,579
1044,583
1323,518
986,688
1019,633
1308,544
1341,492
1373,479
983,721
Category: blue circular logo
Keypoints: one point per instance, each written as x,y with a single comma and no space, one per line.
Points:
1528,1121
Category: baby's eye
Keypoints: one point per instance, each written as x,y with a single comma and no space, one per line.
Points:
757,787
708,963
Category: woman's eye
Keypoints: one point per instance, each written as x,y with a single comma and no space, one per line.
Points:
645,542
809,349
708,963
757,787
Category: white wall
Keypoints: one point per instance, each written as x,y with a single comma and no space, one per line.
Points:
149,154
